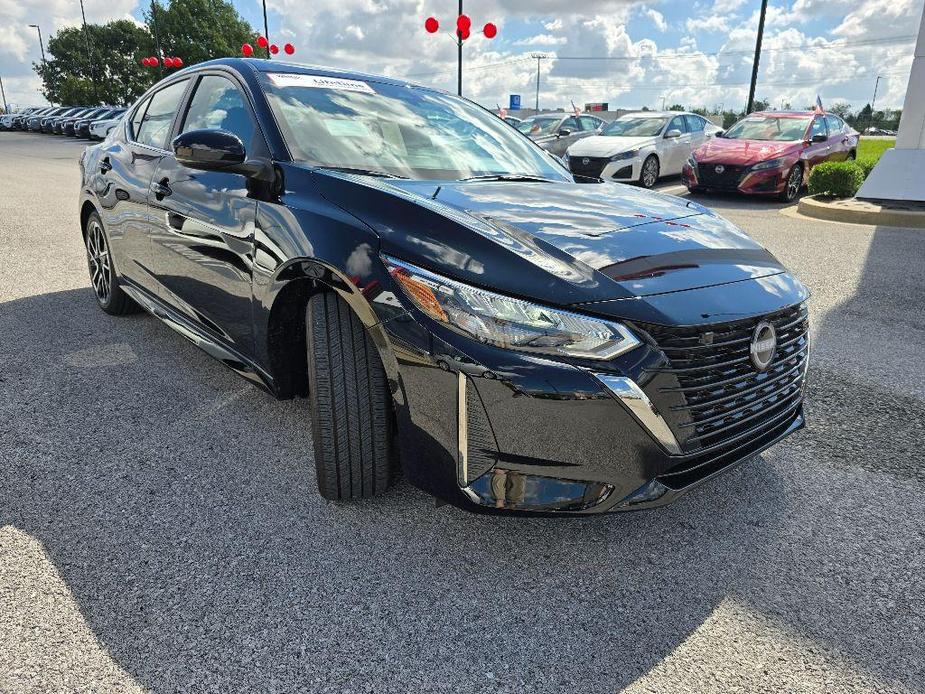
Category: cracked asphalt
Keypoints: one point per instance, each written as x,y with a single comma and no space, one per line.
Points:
160,529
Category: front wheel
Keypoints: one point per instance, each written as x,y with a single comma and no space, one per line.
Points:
352,418
648,175
794,184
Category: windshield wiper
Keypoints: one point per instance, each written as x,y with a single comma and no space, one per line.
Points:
362,172
510,177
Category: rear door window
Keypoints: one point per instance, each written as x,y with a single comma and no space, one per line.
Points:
154,127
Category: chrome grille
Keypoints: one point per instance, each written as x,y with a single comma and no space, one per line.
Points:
712,392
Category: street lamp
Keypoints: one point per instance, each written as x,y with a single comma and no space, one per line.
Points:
41,43
6,109
538,57
83,16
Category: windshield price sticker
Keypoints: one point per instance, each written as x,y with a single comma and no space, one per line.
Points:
289,79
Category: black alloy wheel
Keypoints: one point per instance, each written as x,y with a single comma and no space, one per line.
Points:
103,277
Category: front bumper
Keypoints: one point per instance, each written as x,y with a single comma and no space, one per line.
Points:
749,182
498,431
623,170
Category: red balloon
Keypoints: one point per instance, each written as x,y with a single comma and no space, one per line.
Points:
289,48
178,62
274,49
262,41
463,23
490,31
144,61
463,35
168,62
431,25
247,50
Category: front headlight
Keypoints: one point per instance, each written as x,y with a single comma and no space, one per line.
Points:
623,156
769,164
692,162
509,323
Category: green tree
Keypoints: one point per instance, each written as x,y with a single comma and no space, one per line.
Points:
110,74
676,107
840,109
198,30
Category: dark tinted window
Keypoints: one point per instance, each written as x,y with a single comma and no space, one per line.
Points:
694,123
818,127
589,123
835,124
218,104
570,123
139,115
158,117
677,123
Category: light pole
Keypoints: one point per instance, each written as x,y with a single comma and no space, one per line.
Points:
873,102
41,43
539,57
3,96
157,40
459,45
83,16
751,89
266,28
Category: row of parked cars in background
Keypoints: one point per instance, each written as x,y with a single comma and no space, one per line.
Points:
769,153
90,122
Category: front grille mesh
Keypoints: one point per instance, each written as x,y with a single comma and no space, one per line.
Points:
728,179
593,169
717,396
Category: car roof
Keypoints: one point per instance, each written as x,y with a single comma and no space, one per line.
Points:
658,114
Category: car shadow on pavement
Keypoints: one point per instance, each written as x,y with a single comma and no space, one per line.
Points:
178,504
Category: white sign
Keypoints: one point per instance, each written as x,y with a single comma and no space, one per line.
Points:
291,79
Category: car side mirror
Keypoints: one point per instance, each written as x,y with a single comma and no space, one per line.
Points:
673,133
219,150
819,138
565,132
720,133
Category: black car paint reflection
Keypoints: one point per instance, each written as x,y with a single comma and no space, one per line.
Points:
229,262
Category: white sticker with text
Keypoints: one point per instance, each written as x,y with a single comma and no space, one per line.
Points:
291,79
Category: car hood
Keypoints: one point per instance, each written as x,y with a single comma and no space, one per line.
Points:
561,243
744,152
607,146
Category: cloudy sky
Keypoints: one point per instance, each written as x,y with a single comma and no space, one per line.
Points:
624,52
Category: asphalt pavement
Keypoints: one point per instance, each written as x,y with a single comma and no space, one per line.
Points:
160,529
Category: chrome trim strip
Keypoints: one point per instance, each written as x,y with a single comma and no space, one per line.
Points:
463,435
636,401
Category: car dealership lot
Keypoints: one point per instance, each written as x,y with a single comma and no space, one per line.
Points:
160,527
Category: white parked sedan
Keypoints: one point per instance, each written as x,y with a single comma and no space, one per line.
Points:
640,147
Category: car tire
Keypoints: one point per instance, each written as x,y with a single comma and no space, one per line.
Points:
852,155
103,276
794,184
648,174
351,405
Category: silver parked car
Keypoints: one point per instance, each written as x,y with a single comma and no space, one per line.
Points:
556,132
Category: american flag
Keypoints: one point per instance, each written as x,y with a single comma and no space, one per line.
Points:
819,110
577,110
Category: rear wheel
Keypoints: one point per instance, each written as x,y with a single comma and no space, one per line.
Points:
103,277
648,175
352,425
794,184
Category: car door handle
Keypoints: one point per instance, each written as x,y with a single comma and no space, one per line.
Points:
161,189
105,166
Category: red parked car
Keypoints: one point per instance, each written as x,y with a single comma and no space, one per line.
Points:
769,153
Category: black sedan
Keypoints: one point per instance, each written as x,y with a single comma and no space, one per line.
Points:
450,301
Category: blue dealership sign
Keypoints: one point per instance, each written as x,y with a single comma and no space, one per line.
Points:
515,102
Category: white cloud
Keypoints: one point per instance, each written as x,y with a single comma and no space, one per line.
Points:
658,19
707,23
541,40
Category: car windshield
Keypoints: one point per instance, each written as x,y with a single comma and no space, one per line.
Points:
635,127
768,128
546,125
398,130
